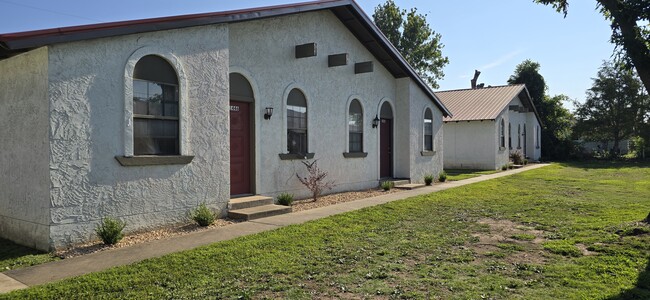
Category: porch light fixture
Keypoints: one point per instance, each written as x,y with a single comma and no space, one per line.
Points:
375,121
268,113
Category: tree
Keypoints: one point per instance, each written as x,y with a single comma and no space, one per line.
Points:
414,39
628,18
557,121
527,72
612,106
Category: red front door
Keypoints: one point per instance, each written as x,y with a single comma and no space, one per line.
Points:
386,148
240,150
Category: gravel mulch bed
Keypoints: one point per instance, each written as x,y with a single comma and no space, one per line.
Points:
136,238
332,199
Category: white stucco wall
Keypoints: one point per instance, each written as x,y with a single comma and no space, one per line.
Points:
24,155
263,51
470,145
423,164
87,129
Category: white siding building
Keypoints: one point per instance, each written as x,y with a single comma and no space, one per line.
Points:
145,120
487,125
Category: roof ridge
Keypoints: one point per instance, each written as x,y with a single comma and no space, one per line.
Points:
483,88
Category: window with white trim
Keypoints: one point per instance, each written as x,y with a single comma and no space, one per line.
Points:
518,136
509,135
155,107
296,123
355,127
502,134
428,130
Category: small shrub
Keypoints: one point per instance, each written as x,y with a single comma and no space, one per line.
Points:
285,199
110,230
525,161
315,181
428,179
386,185
442,177
203,216
517,157
504,167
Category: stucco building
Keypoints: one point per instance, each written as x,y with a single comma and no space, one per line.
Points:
144,120
489,123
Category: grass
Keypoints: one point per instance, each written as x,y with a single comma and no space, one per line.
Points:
458,174
425,247
14,256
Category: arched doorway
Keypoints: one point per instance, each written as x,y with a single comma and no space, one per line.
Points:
386,141
242,143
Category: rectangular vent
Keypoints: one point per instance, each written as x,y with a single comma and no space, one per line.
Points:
306,50
363,67
337,60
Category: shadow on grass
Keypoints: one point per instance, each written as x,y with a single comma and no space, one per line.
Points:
10,250
14,256
605,164
641,290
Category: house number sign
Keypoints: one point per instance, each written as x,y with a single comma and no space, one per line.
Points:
234,108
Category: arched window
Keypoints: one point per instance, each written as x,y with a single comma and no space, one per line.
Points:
519,136
525,140
155,107
296,122
428,130
502,134
509,135
537,138
355,127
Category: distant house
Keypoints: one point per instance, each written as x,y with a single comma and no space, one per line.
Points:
145,120
487,125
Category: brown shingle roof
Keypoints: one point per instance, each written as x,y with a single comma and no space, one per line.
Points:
482,103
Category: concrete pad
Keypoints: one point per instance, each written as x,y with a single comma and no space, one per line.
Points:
8,284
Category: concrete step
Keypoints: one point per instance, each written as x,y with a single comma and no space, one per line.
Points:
517,166
410,186
250,201
397,182
257,212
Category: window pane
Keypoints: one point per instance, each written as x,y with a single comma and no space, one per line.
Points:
428,127
297,141
356,142
152,137
140,96
428,143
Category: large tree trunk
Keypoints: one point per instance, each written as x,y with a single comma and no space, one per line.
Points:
633,42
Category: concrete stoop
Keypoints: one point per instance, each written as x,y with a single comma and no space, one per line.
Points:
255,207
410,186
405,184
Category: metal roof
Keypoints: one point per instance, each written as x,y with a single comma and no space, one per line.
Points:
483,103
348,11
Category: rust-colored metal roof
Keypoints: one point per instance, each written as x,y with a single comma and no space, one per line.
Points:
348,11
482,103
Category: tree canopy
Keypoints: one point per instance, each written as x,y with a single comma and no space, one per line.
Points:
630,31
412,36
557,121
612,106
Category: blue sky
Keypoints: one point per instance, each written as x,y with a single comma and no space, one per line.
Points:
491,36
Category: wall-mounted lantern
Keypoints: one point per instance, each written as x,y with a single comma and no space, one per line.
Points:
268,113
375,121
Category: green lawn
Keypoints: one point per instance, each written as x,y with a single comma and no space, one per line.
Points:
13,256
460,174
559,232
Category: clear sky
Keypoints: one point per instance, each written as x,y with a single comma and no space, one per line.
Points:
491,36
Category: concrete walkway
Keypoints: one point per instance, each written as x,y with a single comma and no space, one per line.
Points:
80,265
